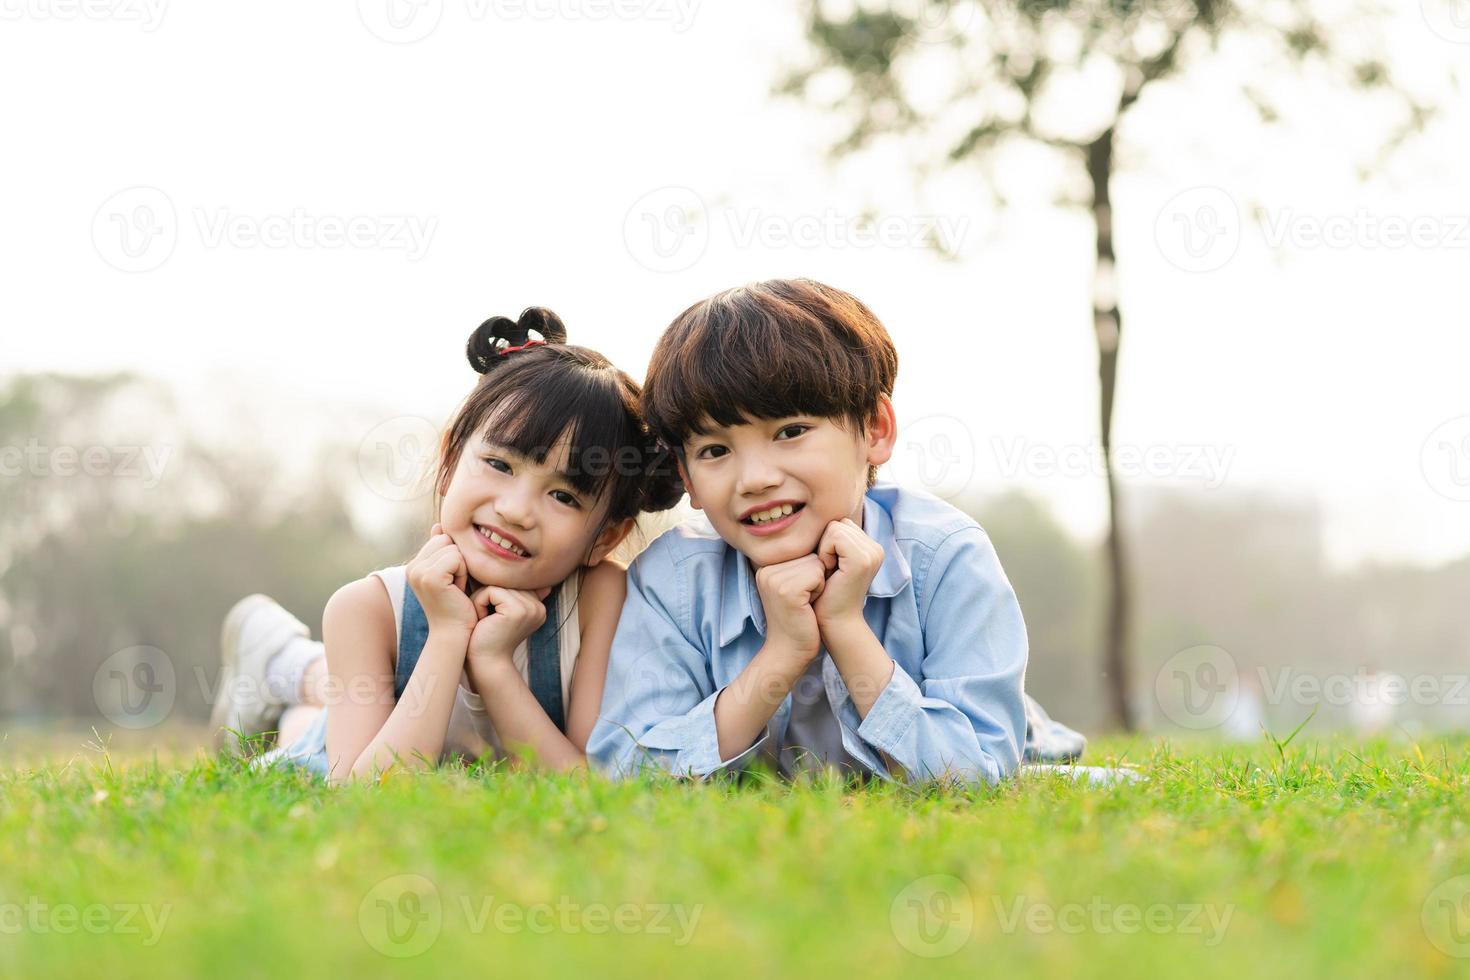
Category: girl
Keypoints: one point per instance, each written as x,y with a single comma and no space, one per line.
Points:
495,637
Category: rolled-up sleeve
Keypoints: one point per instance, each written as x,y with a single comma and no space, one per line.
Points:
659,700
964,716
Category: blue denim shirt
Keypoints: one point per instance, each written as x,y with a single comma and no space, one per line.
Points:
940,604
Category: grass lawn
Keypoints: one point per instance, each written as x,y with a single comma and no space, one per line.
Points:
1326,858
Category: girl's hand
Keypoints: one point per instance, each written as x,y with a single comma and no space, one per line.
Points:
516,615
439,577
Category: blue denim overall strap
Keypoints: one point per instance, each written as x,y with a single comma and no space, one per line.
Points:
544,666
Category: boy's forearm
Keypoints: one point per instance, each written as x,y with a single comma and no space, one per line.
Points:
745,707
866,668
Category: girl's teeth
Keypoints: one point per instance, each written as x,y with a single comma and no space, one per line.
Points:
775,513
497,539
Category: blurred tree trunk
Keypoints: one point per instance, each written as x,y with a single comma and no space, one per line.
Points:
1107,321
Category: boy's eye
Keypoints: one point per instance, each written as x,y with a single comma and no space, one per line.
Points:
792,431
496,463
562,496
711,452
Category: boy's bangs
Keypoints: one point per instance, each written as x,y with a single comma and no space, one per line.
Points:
583,408
768,350
732,373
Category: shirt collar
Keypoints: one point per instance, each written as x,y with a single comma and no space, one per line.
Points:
740,600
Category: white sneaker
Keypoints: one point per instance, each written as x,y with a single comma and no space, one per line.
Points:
255,630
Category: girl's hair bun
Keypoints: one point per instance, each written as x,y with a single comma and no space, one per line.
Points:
485,344
662,488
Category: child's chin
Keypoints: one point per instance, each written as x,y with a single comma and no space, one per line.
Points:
779,552
490,573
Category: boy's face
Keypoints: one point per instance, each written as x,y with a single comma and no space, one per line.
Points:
817,468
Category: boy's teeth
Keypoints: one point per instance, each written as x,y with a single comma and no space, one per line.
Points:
774,514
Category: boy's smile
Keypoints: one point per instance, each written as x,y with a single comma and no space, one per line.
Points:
768,519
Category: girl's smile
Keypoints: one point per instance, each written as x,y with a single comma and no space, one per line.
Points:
499,543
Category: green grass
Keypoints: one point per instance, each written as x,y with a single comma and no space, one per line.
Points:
1317,858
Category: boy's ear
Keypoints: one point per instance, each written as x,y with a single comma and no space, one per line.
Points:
882,432
609,539
688,486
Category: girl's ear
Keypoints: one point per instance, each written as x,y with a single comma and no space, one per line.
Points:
610,538
882,433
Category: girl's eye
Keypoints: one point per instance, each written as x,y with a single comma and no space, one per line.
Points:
496,463
711,452
563,497
795,431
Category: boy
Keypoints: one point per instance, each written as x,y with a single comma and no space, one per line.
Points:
814,619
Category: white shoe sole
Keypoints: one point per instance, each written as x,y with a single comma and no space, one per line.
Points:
242,705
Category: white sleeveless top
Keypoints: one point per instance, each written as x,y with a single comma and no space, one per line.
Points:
470,733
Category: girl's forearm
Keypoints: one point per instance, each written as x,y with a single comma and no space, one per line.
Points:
414,733
518,718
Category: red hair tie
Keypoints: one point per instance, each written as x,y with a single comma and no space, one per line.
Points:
503,348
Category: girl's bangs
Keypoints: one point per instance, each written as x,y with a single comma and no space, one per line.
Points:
580,406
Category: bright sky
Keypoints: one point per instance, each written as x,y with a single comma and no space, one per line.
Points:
275,197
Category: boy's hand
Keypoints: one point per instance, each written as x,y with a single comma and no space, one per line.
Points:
787,592
439,576
516,615
850,559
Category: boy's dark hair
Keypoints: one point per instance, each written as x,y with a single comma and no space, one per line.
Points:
766,351
553,389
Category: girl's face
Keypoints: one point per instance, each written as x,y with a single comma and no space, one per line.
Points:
520,524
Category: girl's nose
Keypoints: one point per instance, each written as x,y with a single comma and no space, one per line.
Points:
515,508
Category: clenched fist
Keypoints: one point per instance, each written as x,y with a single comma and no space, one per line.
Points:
788,592
516,615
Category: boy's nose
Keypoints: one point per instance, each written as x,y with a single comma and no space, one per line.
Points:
757,475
